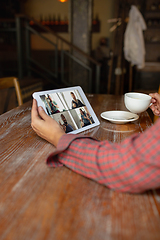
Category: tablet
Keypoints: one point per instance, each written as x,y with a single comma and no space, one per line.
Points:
69,107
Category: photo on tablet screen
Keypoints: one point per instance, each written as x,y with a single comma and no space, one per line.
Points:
69,107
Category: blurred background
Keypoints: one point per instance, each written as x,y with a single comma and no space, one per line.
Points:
52,44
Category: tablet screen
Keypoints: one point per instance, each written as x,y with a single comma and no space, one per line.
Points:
69,107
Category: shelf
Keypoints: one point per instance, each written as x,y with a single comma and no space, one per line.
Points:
152,14
150,67
8,25
153,28
147,42
62,27
7,29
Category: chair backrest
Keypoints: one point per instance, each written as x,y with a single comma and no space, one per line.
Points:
156,117
9,82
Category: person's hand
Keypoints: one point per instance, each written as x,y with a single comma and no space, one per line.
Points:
45,126
155,107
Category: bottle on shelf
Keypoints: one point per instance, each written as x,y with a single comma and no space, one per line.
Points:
65,20
47,21
53,20
41,18
154,6
50,19
59,19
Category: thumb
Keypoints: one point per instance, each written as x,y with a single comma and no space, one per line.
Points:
42,113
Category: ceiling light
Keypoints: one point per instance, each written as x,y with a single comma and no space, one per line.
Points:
62,1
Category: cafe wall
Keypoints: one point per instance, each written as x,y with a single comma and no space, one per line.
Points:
104,9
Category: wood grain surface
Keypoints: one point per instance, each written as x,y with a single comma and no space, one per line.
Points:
38,202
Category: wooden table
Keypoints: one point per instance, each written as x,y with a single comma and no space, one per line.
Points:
38,202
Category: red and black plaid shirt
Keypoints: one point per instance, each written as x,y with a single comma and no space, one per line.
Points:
130,166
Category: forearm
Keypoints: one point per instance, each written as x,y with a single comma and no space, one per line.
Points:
125,167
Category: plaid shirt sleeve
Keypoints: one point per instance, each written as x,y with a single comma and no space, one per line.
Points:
130,166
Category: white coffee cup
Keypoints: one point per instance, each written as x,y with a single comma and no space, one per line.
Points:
137,102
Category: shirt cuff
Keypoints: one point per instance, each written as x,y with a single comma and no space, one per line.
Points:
63,144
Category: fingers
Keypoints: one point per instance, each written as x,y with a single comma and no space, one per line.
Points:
37,115
34,115
152,108
155,97
155,107
34,112
156,111
153,100
42,113
37,111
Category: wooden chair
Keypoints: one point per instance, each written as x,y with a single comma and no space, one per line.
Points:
10,82
156,117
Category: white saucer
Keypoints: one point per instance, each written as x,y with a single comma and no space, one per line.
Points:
119,117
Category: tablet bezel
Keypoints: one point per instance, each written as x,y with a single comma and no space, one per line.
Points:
62,91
